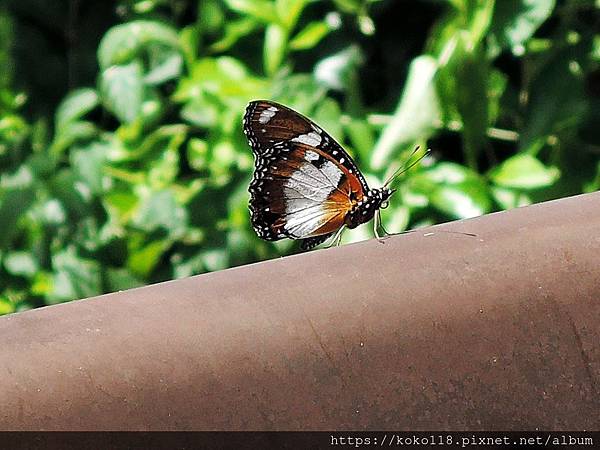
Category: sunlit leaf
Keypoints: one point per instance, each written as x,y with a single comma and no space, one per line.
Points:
165,64
234,31
524,171
327,115
310,36
515,21
143,259
416,114
275,46
336,71
74,276
197,153
122,90
361,136
462,200
78,103
161,211
259,9
122,43
289,11
21,263
6,306
510,198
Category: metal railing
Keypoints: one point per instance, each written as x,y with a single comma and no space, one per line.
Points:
429,330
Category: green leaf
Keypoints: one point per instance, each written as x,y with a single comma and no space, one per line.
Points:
397,219
75,105
472,103
337,71
165,64
275,48
462,87
74,277
88,163
524,171
328,115
595,52
14,204
214,260
478,19
462,200
557,99
361,136
416,114
510,198
289,11
515,21
448,173
70,133
197,153
210,15
122,89
234,31
6,306
310,36
259,9
455,190
122,43
121,279
160,210
120,205
21,263
72,192
143,259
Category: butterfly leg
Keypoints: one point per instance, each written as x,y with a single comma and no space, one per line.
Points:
337,239
376,224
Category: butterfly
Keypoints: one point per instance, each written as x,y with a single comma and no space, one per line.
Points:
305,186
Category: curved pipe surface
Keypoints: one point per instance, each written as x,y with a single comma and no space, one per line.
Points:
430,330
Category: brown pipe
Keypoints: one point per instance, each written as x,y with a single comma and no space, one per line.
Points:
430,330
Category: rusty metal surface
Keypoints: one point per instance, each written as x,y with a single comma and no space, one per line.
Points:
430,330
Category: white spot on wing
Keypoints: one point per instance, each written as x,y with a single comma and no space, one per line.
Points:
312,156
267,114
313,139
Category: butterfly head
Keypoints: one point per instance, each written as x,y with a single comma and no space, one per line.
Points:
365,209
384,194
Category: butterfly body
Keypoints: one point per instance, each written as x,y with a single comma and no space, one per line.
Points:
305,186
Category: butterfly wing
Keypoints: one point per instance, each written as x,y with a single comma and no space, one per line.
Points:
304,183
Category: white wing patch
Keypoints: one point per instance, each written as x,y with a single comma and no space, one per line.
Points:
311,156
332,173
306,192
304,222
313,139
267,114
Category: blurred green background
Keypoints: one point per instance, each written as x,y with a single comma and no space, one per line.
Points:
123,162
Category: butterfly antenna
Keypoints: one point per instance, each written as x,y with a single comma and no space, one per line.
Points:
407,167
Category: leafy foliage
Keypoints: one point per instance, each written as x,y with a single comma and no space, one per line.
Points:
122,160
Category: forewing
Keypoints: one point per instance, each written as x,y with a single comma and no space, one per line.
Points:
267,123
